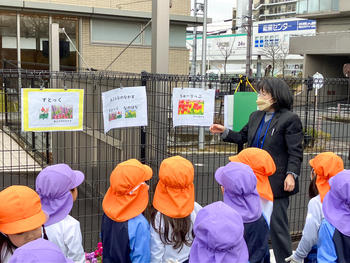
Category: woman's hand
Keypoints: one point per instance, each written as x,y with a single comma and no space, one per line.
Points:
289,183
216,128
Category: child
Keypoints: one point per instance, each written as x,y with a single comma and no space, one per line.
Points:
57,188
125,231
238,183
324,166
172,221
218,238
21,220
263,166
334,235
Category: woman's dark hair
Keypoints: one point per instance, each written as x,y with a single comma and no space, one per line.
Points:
313,191
5,241
279,91
179,226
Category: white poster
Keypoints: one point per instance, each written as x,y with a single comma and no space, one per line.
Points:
228,111
193,107
124,107
52,109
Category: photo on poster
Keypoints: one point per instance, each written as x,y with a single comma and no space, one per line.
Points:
193,107
124,107
52,109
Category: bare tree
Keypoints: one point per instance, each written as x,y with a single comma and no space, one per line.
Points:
284,52
226,49
272,53
276,56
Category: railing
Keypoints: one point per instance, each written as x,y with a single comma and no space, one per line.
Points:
325,119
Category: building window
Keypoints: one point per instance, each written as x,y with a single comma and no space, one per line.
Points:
325,5
34,42
177,36
256,42
8,47
114,32
277,40
122,32
316,6
68,55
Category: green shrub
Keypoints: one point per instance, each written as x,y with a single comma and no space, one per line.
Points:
317,134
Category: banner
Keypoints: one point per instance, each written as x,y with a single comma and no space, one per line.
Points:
228,111
193,107
124,107
52,109
244,104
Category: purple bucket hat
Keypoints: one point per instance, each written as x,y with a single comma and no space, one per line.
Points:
53,184
39,251
240,193
336,204
218,238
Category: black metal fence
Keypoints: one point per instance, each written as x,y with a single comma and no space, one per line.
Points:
326,120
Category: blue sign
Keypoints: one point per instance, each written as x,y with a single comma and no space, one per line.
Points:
306,24
287,26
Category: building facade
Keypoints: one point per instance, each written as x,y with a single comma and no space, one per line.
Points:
273,9
328,50
227,53
100,30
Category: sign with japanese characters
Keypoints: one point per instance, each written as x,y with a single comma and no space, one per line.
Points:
287,26
52,109
193,107
124,107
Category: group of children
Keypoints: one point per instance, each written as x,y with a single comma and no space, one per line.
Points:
37,227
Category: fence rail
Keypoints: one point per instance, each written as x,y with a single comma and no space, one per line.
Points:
325,118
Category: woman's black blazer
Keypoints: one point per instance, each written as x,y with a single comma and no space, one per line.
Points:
283,141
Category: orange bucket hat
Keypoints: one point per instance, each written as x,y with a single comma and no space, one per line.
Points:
20,210
127,195
263,166
174,195
325,165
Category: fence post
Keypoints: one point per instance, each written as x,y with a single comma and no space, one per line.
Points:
143,128
309,84
5,101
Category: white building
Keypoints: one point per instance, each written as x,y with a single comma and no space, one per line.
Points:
268,37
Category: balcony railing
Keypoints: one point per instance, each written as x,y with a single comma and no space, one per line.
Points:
317,6
275,3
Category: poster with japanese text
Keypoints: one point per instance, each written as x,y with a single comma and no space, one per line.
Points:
52,109
193,107
124,107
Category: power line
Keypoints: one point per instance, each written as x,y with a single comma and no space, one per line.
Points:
132,41
135,2
82,58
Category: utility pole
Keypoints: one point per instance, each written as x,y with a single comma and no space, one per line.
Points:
249,38
160,36
204,62
194,46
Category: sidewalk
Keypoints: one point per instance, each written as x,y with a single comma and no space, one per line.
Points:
13,158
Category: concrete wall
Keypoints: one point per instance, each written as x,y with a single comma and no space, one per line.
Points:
135,59
328,66
333,24
331,43
344,5
179,7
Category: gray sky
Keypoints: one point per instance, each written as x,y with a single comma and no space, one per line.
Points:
219,10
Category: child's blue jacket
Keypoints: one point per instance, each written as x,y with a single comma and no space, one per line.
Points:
125,242
333,246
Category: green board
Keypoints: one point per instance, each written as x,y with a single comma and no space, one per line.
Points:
244,104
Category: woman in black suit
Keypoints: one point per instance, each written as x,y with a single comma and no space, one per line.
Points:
277,130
